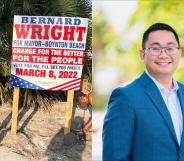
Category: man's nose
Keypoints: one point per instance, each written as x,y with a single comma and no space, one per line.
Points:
163,53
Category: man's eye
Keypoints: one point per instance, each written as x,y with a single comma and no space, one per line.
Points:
155,49
170,49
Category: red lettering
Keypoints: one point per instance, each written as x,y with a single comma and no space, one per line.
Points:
56,35
19,71
46,33
22,30
36,30
31,72
42,32
81,31
69,33
40,73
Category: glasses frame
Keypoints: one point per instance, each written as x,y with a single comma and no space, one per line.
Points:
161,49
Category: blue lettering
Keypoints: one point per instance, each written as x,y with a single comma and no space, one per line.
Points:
33,19
24,20
50,20
41,20
77,21
59,21
68,21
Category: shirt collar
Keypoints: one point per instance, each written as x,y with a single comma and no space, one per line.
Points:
161,87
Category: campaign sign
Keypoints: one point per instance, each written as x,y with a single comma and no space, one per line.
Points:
48,52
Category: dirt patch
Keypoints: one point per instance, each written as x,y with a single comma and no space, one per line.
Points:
40,136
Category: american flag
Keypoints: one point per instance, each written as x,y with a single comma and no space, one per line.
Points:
21,83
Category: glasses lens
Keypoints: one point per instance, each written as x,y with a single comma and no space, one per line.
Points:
158,50
155,50
171,50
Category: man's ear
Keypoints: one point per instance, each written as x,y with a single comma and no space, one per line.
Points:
142,54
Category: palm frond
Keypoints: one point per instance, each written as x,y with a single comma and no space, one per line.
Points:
9,8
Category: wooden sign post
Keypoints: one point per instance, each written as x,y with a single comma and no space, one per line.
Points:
68,114
15,110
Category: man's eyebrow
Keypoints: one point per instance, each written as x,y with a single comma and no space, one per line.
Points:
155,43
169,43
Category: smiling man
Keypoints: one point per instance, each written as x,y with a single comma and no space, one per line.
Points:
144,121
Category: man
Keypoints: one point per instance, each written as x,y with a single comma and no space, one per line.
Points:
144,121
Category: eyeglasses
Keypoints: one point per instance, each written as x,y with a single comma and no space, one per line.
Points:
157,50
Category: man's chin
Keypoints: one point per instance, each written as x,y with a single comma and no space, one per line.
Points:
164,73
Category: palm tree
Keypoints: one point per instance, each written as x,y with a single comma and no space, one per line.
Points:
9,8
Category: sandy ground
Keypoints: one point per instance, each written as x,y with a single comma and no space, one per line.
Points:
40,136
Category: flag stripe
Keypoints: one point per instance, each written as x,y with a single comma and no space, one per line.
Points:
67,83
65,87
76,87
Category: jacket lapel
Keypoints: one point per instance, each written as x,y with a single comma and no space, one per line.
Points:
154,94
181,98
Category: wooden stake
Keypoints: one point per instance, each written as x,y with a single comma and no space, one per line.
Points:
68,114
15,110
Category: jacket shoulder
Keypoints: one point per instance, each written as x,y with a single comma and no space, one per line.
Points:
127,88
180,84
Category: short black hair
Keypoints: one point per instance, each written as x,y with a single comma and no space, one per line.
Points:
155,27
